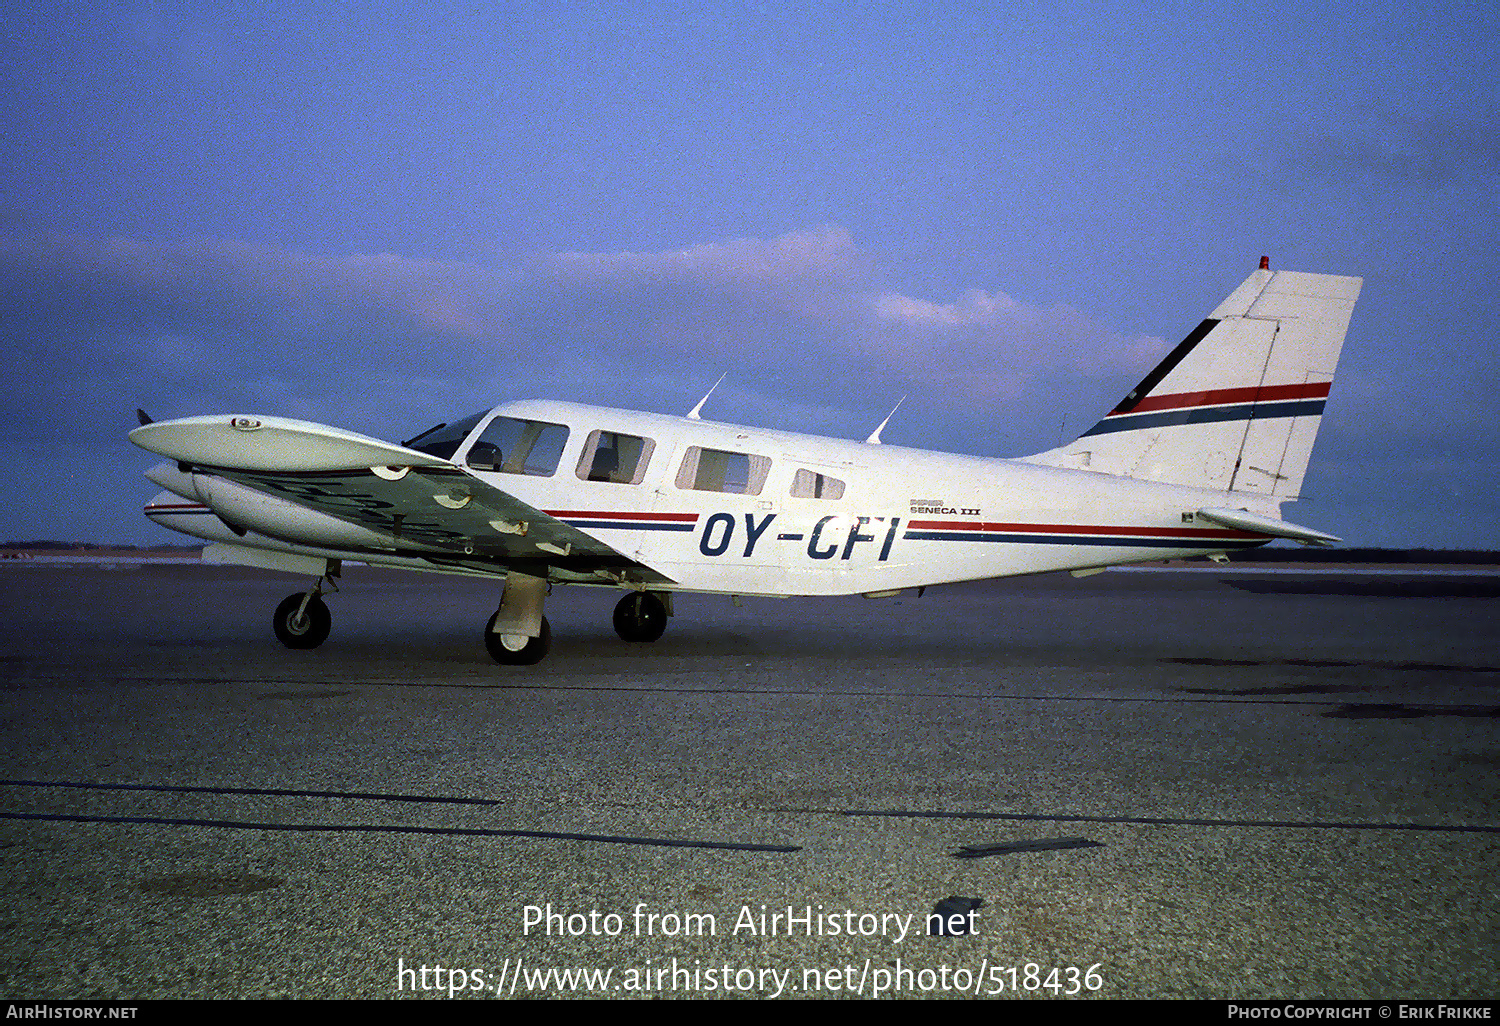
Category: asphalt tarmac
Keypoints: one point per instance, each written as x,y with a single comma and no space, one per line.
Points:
1171,784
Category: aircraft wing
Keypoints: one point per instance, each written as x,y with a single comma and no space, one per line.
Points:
428,506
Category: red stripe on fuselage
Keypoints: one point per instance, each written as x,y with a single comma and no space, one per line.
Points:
599,514
1227,396
1148,532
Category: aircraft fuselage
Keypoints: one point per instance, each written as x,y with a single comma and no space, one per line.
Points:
1196,460
824,516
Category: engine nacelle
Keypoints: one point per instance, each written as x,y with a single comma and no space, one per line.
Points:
249,510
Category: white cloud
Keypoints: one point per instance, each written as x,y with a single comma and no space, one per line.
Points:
992,336
974,307
820,256
803,319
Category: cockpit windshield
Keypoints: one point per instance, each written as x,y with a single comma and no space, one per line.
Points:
443,441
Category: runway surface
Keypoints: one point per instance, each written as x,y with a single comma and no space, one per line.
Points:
1181,784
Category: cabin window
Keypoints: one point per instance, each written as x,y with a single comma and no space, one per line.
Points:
511,446
714,470
810,485
615,458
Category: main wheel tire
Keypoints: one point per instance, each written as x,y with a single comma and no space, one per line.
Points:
306,631
516,649
640,616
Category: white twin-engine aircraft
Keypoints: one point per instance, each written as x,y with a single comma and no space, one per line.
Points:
1196,460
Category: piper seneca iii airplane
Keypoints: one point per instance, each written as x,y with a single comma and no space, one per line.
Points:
1196,460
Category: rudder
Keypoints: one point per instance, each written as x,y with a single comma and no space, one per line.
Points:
1237,404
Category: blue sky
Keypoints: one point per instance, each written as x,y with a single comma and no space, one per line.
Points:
383,216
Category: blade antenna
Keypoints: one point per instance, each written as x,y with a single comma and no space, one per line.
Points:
874,438
693,413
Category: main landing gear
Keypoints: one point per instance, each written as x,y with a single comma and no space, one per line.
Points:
642,616
517,649
518,633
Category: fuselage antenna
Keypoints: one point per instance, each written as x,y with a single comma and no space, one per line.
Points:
693,413
874,438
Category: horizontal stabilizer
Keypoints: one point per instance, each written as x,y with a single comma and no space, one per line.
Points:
1244,520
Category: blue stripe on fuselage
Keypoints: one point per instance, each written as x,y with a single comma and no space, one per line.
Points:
1206,415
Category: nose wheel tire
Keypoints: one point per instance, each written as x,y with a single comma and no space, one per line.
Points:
302,628
516,649
640,616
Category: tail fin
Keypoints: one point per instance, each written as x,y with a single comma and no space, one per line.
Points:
1236,406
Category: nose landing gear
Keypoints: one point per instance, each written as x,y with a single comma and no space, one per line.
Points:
303,620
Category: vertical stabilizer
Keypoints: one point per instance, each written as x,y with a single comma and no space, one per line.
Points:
1237,404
